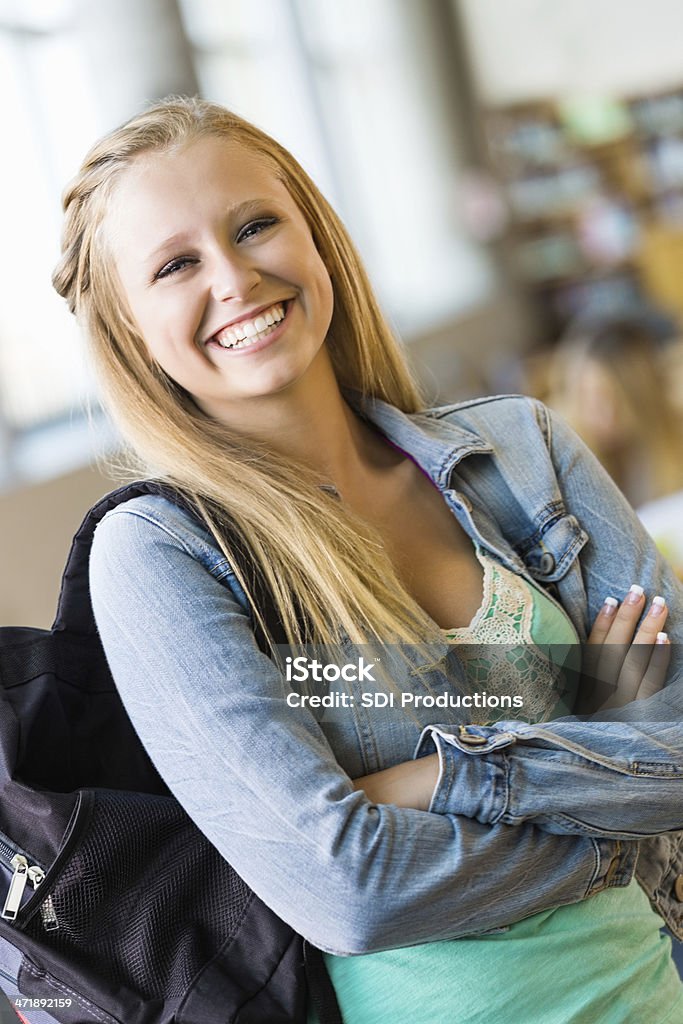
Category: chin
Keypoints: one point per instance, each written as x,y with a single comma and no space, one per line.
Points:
280,383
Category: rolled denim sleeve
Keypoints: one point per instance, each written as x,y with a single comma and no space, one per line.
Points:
628,784
260,779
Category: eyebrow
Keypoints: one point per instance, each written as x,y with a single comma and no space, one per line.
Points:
243,209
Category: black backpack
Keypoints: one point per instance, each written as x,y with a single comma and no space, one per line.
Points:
116,908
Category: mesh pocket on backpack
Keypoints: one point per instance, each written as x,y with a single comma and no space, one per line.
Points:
143,900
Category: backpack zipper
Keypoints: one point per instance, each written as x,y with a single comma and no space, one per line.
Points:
47,908
16,887
23,873
6,852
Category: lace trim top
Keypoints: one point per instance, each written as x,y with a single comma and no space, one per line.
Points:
519,642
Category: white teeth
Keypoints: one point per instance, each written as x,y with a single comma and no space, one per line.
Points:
248,331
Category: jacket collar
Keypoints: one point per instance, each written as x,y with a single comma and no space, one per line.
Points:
435,443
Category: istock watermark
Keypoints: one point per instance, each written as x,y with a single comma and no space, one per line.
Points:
303,669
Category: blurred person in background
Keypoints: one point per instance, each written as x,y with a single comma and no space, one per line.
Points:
608,381
618,384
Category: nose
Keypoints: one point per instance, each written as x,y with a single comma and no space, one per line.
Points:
232,276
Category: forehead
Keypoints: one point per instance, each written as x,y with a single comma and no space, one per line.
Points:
208,176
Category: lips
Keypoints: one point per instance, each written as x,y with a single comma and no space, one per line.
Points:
254,332
250,326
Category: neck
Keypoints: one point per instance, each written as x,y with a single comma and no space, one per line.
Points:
311,423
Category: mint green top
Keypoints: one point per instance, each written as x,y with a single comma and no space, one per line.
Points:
601,961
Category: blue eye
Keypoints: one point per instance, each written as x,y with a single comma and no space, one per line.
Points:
255,227
174,266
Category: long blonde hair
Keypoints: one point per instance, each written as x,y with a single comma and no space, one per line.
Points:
305,543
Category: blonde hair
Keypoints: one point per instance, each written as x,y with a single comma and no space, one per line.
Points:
304,542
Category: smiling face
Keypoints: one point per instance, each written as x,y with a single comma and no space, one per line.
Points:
221,275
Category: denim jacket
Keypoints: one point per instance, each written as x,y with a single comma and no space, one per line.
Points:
269,782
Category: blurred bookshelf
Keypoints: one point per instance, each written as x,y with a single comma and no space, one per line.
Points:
594,192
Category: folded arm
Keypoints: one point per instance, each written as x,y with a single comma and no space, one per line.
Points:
621,776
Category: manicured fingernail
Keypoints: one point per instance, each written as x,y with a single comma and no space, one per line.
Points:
662,638
657,607
634,594
609,606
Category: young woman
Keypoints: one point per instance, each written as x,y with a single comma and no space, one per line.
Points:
472,871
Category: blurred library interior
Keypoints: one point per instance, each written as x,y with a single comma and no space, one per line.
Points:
511,173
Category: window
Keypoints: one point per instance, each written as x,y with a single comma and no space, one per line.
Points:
47,126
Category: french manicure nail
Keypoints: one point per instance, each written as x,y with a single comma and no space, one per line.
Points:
662,638
609,606
657,606
634,594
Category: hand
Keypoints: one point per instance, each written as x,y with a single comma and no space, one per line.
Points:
621,663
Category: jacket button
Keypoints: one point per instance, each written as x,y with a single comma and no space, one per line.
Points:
472,739
678,888
547,563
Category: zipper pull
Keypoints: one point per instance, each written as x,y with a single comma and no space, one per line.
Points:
48,915
35,875
47,907
16,888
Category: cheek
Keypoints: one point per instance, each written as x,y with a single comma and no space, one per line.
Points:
166,326
326,299
308,271
323,290
152,335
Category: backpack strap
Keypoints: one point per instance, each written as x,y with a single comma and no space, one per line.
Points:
320,990
74,608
